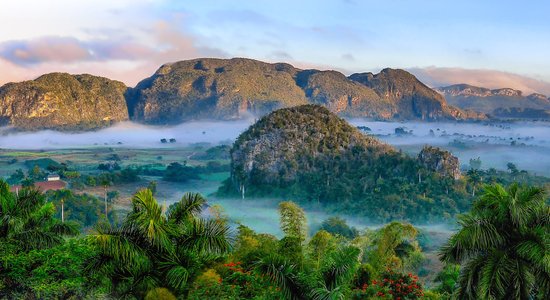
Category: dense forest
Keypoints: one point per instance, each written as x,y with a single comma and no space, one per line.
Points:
190,251
308,154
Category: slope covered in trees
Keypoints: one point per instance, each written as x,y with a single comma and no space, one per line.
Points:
234,88
309,154
64,102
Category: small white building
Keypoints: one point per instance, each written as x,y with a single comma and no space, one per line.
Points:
53,177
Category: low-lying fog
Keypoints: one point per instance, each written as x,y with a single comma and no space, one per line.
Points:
127,135
527,144
262,216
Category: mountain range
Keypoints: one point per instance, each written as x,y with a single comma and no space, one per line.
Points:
227,89
504,102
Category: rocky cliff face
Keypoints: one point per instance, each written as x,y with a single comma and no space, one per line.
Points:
440,161
412,99
234,88
344,96
282,144
214,89
63,102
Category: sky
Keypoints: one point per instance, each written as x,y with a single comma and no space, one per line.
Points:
490,43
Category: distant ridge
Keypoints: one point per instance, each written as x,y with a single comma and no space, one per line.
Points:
232,88
503,102
219,89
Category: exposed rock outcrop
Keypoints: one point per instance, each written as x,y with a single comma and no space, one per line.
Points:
63,102
234,88
440,161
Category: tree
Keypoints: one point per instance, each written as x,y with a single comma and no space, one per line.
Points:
474,177
475,163
36,173
152,186
152,250
395,245
293,220
177,172
27,221
52,273
112,195
320,244
502,245
447,279
337,225
16,177
512,168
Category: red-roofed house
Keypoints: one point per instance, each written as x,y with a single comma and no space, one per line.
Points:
44,186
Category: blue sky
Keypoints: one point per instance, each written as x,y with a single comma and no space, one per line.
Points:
492,43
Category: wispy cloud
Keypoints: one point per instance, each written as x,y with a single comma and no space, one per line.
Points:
45,49
122,58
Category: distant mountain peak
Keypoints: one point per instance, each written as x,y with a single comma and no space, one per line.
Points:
503,102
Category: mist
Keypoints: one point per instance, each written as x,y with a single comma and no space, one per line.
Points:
127,135
526,144
492,142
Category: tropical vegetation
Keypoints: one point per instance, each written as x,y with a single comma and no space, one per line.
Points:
193,251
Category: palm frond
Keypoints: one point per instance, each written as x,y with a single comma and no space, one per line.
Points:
322,293
206,236
190,205
147,218
281,273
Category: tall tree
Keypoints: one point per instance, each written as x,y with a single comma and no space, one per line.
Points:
503,245
293,220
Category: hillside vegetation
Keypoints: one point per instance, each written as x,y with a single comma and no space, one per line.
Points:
309,154
234,88
63,102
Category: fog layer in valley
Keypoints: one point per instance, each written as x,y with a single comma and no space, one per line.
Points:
128,135
527,144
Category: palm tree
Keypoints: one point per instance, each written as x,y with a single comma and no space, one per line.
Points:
326,276
331,280
503,246
151,250
27,220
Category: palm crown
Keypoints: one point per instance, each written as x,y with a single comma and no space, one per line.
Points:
155,249
503,245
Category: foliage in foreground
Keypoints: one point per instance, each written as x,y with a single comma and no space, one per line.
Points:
503,245
500,252
152,250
